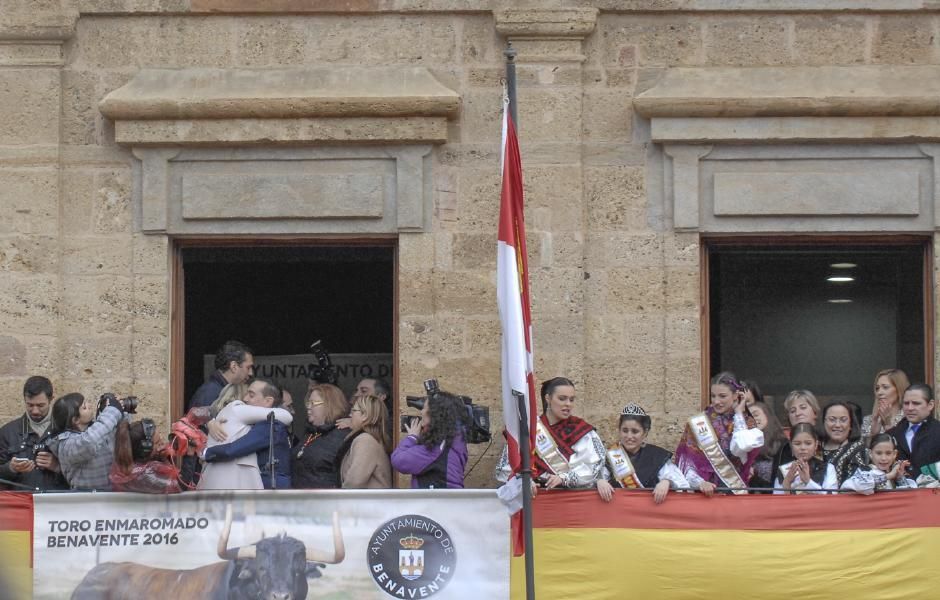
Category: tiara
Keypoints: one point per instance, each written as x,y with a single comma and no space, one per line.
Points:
634,410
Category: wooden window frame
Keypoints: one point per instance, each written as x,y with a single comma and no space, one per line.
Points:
708,242
178,296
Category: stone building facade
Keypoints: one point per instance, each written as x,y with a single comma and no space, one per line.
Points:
128,125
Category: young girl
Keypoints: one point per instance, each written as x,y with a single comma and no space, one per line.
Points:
774,440
885,471
805,473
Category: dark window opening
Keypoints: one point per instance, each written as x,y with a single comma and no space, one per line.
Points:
822,318
280,299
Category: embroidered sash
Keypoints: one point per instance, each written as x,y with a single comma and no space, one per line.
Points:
548,451
707,441
622,468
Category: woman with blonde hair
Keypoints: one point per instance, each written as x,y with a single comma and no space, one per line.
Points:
890,385
232,391
363,457
802,407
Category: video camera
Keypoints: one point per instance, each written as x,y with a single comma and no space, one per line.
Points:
323,370
478,431
128,404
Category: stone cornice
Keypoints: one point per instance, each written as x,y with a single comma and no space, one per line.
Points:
794,92
552,23
36,20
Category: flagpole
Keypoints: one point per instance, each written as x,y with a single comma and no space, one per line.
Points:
524,451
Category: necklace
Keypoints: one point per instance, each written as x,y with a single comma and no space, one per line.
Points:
310,439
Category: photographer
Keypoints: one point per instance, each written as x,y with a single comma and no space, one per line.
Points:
85,445
435,450
24,458
140,463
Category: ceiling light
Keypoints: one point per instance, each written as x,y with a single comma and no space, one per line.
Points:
839,301
843,265
839,278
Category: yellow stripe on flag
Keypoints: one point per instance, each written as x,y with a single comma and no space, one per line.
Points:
589,564
15,572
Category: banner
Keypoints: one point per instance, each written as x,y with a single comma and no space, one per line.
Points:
757,546
369,544
16,541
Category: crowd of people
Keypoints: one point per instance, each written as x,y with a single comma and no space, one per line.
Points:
737,445
236,435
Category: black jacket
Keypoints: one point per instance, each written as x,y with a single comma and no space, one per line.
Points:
209,391
926,444
315,466
17,439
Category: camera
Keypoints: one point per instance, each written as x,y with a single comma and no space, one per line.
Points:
323,370
406,421
478,431
41,446
128,404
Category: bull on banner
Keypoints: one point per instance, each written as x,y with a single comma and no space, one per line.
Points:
247,545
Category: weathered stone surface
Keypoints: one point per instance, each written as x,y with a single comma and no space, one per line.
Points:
37,20
608,115
274,41
12,356
151,355
97,256
651,41
28,201
29,304
794,91
546,22
382,40
829,40
201,93
29,101
97,359
795,129
29,254
474,250
98,304
905,40
151,304
744,41
616,198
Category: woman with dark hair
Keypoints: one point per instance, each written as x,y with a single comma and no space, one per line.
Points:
890,385
139,461
568,451
774,440
314,464
434,452
363,457
720,445
842,446
635,464
83,444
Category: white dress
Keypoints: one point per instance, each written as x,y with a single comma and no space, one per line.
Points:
243,472
830,482
866,481
588,464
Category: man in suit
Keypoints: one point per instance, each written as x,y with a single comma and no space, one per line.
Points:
918,435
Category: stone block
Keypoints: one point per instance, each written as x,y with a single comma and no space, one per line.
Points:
416,293
415,251
682,332
747,41
651,40
683,289
43,355
478,198
474,376
608,115
904,39
558,331
29,304
385,39
100,304
151,254
681,249
98,359
29,200
548,114
97,255
11,398
484,336
645,334
154,395
466,292
12,356
636,290
29,102
613,249
29,254
564,249
79,106
270,41
151,356
556,188
616,198
474,250
829,40
151,304
112,201
556,292
481,117
440,336
78,194
479,42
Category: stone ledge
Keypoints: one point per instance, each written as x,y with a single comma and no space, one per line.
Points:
36,20
794,91
546,22
794,129
202,93
251,132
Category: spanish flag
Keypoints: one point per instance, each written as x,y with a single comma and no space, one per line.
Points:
758,546
16,545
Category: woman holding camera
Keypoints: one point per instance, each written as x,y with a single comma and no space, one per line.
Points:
140,463
363,457
85,445
569,453
434,452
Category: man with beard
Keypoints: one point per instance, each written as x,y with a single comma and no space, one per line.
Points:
23,456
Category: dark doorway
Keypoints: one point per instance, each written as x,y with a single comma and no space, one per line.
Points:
820,317
280,299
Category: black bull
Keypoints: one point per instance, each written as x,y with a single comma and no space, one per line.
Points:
274,568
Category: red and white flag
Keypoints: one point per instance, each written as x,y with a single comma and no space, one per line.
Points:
512,293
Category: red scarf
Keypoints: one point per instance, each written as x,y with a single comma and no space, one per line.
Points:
566,433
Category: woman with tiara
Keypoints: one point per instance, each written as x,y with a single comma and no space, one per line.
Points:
634,464
568,452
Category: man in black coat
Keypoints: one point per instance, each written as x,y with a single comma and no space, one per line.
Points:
918,435
23,457
234,363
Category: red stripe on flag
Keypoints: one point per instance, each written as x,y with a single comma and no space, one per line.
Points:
756,512
16,511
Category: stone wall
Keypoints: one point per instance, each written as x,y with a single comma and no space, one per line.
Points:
84,296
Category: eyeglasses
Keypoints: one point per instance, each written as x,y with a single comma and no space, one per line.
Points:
837,420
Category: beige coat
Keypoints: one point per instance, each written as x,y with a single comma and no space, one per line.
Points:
366,465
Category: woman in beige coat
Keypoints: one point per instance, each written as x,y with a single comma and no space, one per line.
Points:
364,453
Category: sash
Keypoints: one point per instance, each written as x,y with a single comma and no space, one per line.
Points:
622,468
707,441
548,451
